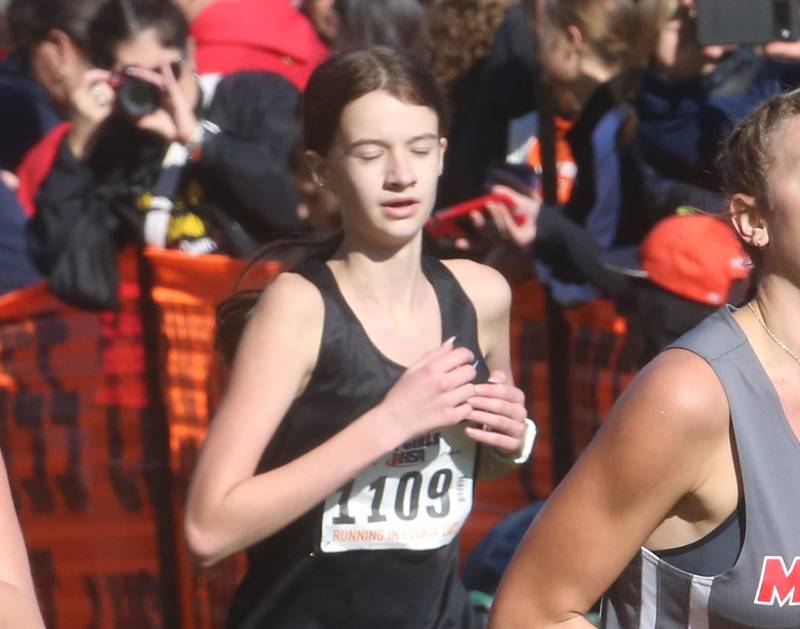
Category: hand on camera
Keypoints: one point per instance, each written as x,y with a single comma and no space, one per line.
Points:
787,50
517,225
175,120
431,394
678,53
498,414
92,102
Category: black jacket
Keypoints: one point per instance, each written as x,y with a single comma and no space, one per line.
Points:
87,210
660,315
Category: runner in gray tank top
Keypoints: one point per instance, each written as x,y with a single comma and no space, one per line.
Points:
703,442
762,589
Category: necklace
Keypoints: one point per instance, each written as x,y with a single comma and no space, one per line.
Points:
756,310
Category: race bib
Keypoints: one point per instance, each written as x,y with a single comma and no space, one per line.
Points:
417,497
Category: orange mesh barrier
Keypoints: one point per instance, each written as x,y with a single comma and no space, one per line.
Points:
100,468
76,433
600,366
186,291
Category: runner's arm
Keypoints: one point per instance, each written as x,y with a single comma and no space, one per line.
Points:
229,506
18,606
491,296
651,452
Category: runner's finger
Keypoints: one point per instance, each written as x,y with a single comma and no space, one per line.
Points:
499,406
498,423
494,439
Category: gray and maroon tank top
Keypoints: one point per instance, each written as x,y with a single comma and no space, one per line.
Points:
762,589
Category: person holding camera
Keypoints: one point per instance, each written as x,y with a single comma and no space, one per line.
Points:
693,94
158,156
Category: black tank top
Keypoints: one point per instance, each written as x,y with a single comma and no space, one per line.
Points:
382,551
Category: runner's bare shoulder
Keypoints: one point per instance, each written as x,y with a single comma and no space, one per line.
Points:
486,287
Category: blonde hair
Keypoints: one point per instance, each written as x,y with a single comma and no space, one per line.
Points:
622,33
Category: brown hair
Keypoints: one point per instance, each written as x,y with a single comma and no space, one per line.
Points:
746,155
30,22
620,32
348,76
120,20
461,34
335,83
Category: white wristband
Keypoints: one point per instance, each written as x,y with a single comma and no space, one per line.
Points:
527,446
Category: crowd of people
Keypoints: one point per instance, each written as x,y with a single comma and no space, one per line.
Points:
613,146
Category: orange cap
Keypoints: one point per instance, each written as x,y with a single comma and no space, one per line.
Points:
696,256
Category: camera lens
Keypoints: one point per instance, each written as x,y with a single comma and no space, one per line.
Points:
137,97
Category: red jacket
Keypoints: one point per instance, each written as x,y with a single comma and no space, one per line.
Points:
36,166
268,35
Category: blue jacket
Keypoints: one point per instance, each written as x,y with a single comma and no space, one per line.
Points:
16,267
681,123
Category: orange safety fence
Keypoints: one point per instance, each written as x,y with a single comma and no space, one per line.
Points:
101,428
186,291
77,434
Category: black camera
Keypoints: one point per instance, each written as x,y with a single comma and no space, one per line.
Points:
747,21
136,97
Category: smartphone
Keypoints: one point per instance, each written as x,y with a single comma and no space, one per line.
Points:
454,222
747,21
521,178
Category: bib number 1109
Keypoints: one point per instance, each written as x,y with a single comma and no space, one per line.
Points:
407,496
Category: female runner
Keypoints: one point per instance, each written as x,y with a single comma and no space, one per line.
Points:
338,457
18,606
684,508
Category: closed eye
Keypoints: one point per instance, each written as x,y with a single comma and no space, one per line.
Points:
368,157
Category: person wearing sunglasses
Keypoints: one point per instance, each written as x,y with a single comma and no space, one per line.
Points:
159,156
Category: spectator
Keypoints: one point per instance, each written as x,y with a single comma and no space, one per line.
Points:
25,112
16,267
692,96
686,267
49,39
591,53
324,17
398,24
270,36
118,176
488,91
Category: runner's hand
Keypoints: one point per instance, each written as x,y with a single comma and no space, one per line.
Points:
432,393
500,412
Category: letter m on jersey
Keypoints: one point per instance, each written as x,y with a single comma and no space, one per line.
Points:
778,583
